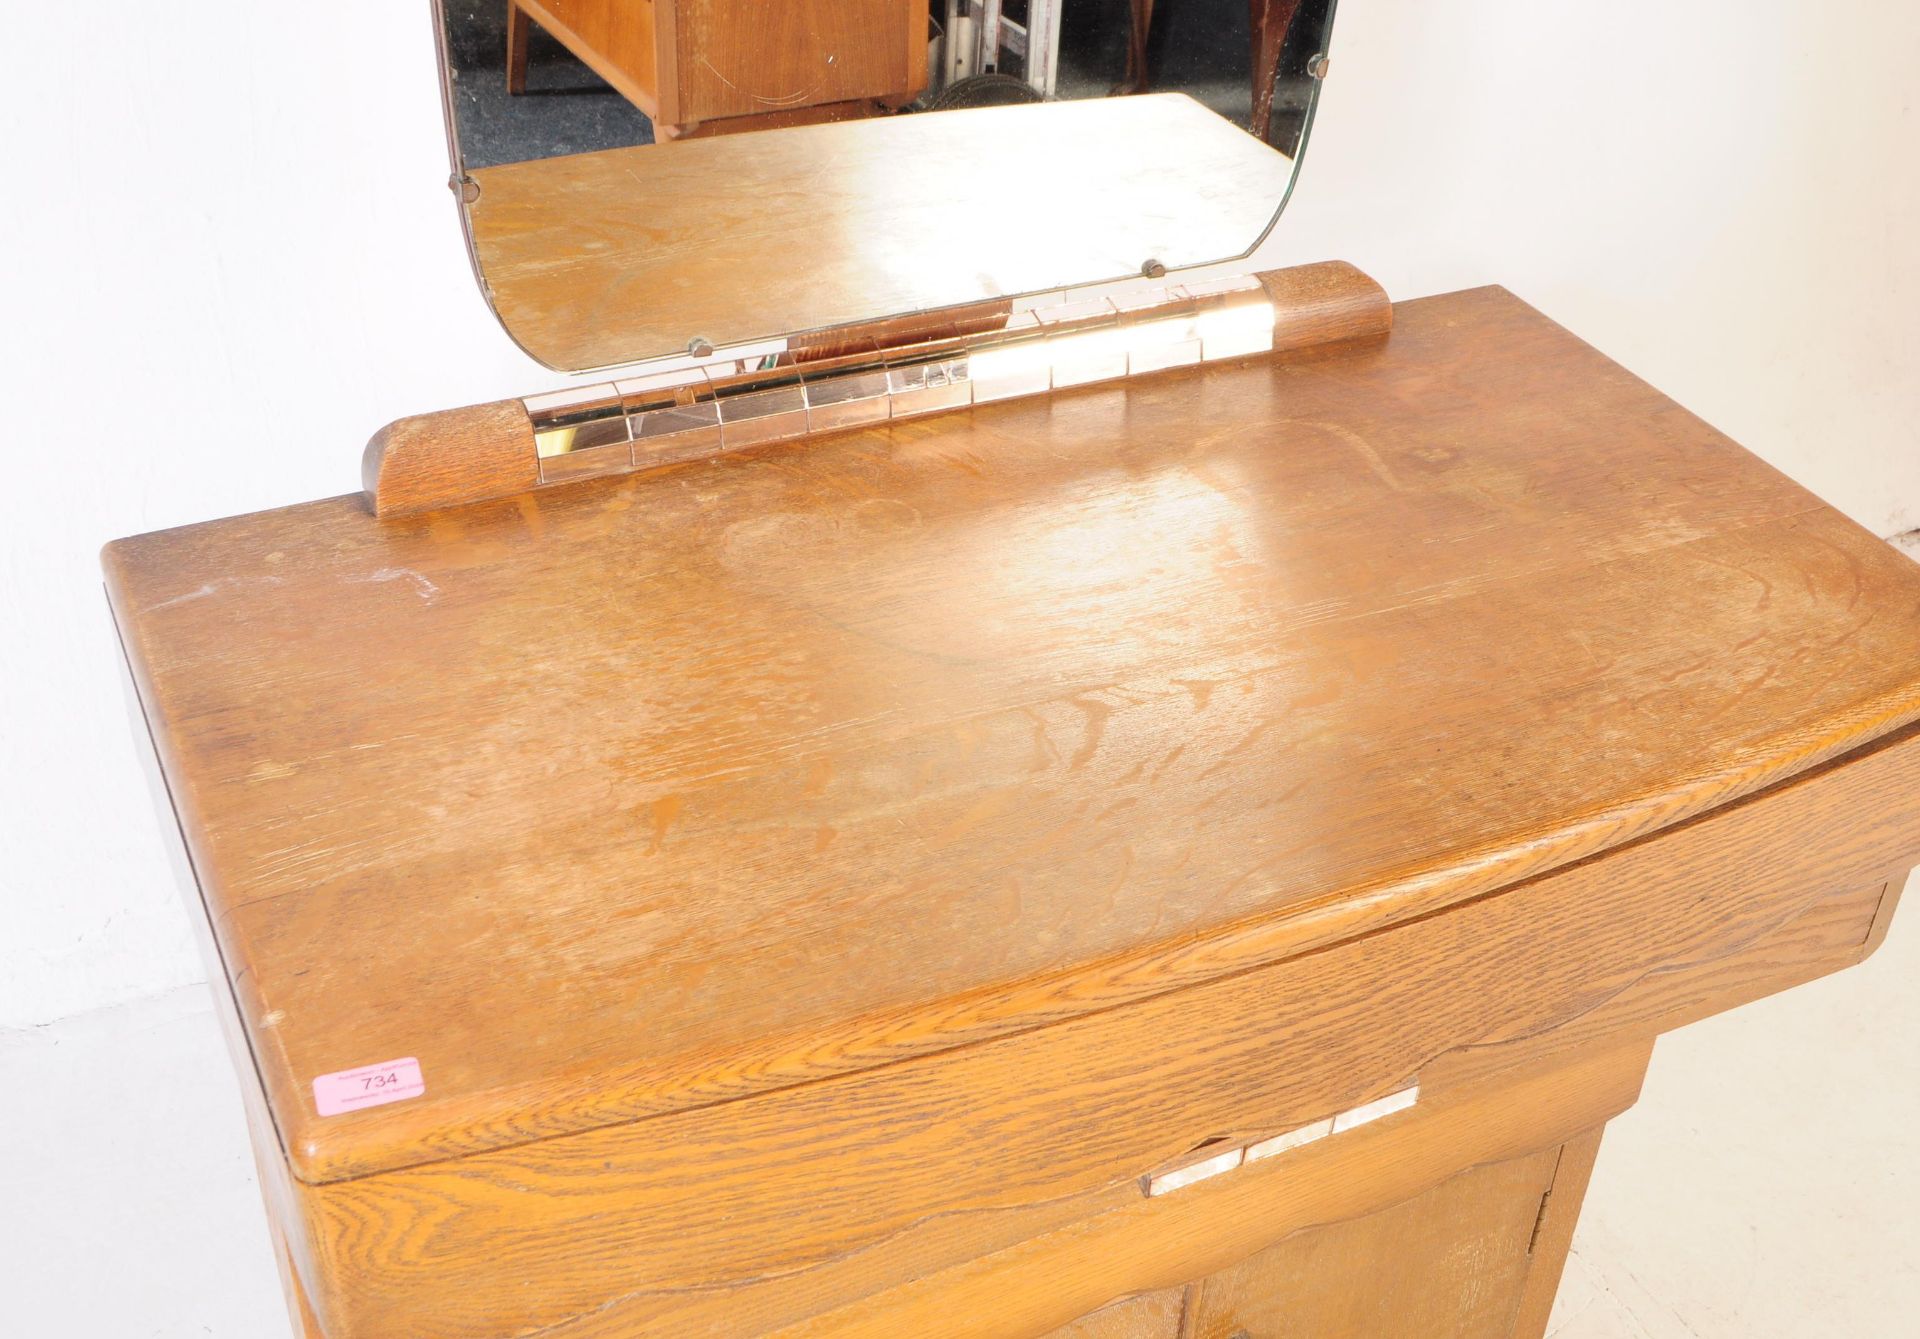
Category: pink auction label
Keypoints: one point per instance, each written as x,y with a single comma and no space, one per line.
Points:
368,1086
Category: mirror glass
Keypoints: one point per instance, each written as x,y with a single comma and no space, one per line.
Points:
646,178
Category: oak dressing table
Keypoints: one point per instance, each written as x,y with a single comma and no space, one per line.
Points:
868,845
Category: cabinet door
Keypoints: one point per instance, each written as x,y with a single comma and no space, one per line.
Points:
1476,1257
1154,1315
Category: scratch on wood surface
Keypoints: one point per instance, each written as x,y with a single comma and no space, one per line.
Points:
210,588
1362,447
783,100
422,586
204,591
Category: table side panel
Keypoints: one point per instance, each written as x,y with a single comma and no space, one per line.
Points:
617,39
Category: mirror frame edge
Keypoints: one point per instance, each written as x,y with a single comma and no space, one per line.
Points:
459,182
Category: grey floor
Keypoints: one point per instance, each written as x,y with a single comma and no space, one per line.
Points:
567,108
1199,47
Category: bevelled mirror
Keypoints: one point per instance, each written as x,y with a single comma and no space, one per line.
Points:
645,178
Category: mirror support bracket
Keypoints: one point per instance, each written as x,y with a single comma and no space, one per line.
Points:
455,457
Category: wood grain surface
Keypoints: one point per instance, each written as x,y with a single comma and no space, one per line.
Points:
604,258
1156,1315
1448,1264
442,459
1553,1233
1327,303
1047,1280
932,734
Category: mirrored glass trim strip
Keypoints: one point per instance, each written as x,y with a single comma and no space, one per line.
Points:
689,413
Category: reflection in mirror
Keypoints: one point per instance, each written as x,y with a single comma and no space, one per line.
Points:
640,176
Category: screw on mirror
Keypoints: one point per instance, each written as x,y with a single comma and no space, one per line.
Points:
700,346
1318,66
465,187
1153,268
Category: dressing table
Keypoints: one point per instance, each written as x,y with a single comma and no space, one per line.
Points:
1162,808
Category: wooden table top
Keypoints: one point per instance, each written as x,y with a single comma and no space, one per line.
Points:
661,790
605,258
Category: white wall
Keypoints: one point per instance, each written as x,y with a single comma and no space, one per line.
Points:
1723,195
227,254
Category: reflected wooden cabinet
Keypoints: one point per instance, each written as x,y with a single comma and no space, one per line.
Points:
705,66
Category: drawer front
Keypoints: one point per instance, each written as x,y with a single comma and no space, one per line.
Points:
755,1214
751,59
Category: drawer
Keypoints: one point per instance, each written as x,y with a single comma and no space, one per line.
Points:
763,1211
